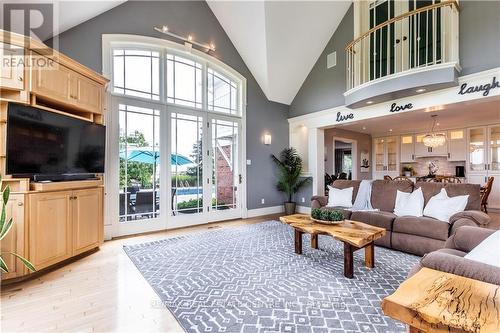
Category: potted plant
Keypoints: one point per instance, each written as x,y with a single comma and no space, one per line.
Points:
407,170
289,176
327,216
5,226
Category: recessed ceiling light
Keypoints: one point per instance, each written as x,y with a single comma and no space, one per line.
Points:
421,90
369,102
437,124
390,129
364,127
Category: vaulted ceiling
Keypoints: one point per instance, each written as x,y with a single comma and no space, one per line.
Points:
280,41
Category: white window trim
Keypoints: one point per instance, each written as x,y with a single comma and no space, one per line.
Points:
112,41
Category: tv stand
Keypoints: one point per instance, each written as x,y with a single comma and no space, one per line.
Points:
64,177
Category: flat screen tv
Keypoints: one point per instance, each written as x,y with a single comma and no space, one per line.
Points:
43,144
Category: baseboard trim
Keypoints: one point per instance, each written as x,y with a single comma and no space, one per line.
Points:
265,211
304,209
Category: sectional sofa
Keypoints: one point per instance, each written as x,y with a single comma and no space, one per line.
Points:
416,235
450,259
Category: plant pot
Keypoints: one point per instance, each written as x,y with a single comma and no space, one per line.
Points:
407,173
290,208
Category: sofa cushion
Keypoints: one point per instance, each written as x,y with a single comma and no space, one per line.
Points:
421,226
376,218
343,184
472,190
414,244
345,212
384,193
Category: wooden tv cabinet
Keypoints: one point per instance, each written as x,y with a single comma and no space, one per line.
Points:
53,222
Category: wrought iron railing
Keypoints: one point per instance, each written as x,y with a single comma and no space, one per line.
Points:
420,38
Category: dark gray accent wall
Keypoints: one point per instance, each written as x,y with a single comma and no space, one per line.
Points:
83,43
324,88
479,51
479,36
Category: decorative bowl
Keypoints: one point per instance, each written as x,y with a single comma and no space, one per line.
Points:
327,222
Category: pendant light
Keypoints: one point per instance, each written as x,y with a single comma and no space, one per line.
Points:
432,139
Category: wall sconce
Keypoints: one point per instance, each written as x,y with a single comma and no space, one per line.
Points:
267,139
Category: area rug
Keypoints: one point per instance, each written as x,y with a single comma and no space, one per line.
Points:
248,279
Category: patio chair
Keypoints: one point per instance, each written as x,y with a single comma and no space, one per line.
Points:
144,203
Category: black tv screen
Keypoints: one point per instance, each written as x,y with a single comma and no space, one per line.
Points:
41,142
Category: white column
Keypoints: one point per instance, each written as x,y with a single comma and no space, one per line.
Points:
317,159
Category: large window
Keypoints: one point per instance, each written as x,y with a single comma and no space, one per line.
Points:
180,118
136,73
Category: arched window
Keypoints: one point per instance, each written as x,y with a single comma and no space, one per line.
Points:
177,119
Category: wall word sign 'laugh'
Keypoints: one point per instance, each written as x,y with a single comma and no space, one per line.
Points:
485,88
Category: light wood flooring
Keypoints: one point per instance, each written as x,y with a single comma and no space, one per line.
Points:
102,292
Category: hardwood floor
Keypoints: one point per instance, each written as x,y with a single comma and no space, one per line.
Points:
102,292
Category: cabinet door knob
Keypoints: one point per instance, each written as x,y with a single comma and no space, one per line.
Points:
20,204
20,79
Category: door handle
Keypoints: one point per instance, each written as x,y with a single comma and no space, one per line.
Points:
240,178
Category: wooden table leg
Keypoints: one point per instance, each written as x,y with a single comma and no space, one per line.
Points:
370,255
348,261
298,241
314,241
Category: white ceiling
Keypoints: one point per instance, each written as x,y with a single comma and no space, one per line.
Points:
68,13
280,41
459,115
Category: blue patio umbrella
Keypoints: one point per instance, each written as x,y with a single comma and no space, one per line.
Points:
151,156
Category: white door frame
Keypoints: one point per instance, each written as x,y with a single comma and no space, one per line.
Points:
354,154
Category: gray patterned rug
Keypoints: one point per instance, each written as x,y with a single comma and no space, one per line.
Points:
248,279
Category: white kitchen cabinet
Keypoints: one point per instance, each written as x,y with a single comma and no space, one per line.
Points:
386,154
483,160
407,149
422,150
457,145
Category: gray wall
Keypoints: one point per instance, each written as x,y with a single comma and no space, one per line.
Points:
83,43
479,51
479,35
324,88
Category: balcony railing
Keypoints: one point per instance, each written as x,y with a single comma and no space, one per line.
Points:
420,38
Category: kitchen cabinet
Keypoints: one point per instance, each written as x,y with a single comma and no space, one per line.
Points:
386,154
457,145
483,159
422,150
407,149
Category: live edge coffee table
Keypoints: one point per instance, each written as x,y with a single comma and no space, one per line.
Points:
355,235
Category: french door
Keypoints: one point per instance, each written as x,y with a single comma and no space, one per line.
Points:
175,167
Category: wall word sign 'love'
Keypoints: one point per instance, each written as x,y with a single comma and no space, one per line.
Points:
397,108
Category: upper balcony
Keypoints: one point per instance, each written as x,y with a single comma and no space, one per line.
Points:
413,52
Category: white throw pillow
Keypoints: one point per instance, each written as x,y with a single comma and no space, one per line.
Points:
340,197
442,207
488,251
409,204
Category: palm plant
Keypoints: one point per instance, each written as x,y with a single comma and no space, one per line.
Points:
5,227
289,172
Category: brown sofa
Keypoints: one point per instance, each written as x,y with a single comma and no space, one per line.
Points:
451,259
417,235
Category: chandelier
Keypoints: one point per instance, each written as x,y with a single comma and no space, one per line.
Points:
432,139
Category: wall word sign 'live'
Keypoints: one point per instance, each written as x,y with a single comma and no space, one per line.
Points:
397,108
343,117
485,88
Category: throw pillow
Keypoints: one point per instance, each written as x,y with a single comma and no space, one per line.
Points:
340,197
442,207
488,251
409,204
